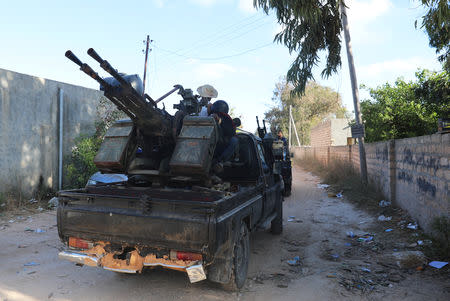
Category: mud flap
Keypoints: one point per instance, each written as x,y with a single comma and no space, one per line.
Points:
220,271
196,273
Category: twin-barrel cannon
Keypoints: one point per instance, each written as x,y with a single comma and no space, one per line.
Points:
153,147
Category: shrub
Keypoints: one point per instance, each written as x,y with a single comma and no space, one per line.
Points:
80,165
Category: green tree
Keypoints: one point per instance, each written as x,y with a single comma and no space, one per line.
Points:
437,25
308,110
309,26
406,109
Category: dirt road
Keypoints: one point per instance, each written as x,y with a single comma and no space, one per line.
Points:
332,266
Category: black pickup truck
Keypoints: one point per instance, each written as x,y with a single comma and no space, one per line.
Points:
198,230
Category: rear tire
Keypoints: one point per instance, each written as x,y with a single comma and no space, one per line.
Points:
287,190
241,254
276,227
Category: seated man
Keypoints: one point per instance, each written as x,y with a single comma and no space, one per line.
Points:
280,137
228,141
206,92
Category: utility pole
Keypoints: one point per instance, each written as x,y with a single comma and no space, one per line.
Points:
291,119
351,66
290,112
146,57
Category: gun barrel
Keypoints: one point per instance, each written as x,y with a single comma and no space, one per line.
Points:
176,87
150,120
73,58
85,68
95,55
108,68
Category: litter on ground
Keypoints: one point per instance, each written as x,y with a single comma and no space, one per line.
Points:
365,238
384,203
412,226
294,262
438,264
323,186
383,218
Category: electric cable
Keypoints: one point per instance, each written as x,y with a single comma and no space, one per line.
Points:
216,58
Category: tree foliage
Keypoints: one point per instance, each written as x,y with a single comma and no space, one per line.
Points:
309,109
407,109
309,26
80,166
437,25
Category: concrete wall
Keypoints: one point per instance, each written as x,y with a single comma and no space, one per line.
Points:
422,173
29,128
413,172
330,132
340,131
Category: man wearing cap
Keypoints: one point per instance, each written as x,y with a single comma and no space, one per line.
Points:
206,92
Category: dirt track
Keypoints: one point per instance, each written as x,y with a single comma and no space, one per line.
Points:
333,266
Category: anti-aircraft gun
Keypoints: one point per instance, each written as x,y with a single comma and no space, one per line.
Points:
153,146
278,156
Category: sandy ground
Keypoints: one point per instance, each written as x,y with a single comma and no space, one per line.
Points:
332,265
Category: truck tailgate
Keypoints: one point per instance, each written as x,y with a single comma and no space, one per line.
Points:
136,220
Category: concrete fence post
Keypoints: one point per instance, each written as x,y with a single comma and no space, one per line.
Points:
328,155
350,155
392,170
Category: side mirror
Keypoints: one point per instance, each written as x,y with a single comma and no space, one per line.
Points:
292,155
237,122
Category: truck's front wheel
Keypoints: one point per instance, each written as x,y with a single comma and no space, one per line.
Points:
241,254
277,222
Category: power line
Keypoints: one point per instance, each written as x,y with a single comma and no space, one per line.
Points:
183,54
209,43
215,58
242,34
220,33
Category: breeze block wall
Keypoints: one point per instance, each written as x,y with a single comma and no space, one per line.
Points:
321,134
29,128
413,172
422,176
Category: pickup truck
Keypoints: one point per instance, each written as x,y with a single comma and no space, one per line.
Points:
198,230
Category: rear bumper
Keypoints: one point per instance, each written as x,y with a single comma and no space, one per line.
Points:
135,263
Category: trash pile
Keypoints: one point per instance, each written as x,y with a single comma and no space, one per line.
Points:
366,279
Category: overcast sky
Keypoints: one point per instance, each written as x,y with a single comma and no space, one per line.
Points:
225,43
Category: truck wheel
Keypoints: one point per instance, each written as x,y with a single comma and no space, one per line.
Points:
276,227
287,190
241,254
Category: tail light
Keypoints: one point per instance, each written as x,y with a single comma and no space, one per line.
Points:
185,256
79,243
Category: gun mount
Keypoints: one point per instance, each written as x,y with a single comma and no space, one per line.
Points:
144,145
277,155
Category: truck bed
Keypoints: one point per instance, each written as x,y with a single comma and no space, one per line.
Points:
158,218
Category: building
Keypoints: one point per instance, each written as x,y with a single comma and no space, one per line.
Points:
331,132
